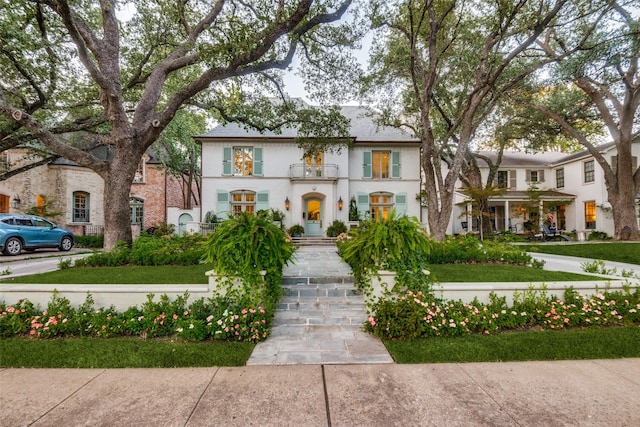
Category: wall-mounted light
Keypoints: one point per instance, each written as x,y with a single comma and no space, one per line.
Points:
340,203
15,202
287,203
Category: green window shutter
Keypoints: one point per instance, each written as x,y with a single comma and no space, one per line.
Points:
363,205
262,201
222,206
366,168
227,161
257,161
401,204
395,164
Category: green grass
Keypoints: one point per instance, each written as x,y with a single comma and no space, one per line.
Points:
597,343
628,252
500,273
195,274
165,274
120,353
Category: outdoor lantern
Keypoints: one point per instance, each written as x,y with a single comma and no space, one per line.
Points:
287,203
15,202
340,203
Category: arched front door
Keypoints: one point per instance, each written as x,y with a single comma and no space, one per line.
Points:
313,217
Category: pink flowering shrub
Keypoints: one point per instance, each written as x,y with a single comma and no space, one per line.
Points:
211,318
418,315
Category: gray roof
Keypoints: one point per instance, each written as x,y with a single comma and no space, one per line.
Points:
363,129
522,159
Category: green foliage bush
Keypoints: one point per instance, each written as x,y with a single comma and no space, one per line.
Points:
397,243
93,242
468,249
421,315
150,250
244,245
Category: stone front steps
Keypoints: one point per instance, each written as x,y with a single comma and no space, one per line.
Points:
319,321
321,304
314,241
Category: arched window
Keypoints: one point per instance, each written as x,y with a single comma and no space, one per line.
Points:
137,210
80,206
243,201
381,203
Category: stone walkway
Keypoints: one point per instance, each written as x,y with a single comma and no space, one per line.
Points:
320,317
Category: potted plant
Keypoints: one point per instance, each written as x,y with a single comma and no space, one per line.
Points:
336,228
247,252
296,230
397,245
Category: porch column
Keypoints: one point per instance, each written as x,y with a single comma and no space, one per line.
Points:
540,213
507,216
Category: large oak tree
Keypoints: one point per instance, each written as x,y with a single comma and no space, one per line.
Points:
77,74
599,57
446,65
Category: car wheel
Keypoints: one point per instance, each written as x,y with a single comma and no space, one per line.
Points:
66,243
13,246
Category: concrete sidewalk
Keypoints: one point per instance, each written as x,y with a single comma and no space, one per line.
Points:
567,393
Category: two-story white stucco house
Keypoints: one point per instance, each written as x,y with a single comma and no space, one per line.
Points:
245,170
572,192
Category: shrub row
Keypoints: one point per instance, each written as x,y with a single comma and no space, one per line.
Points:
218,319
150,250
468,249
420,315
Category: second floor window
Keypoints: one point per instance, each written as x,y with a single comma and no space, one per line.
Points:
589,171
139,176
380,164
535,176
80,206
560,178
243,161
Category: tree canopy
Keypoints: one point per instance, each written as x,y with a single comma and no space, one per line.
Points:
80,74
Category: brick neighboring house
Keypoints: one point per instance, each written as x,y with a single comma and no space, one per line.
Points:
77,193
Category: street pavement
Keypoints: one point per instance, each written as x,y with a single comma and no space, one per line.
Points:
556,393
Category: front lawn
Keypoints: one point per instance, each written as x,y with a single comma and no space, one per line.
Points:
128,352
572,344
162,274
628,252
500,273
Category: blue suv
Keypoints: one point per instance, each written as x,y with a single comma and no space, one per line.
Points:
29,232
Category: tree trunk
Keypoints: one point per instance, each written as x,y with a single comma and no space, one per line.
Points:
117,187
624,214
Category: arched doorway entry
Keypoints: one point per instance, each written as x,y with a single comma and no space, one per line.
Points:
313,216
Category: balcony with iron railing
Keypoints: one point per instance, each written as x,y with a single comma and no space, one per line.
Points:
302,171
